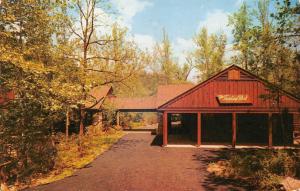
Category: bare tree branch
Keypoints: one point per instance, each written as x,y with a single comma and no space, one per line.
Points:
74,31
101,57
80,8
101,71
92,11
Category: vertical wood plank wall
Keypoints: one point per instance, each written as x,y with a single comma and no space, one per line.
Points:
205,97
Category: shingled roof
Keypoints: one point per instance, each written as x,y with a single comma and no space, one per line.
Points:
134,103
96,96
168,92
163,95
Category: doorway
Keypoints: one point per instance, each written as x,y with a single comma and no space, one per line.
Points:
216,128
182,128
252,129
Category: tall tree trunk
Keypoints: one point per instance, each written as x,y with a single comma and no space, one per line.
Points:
81,130
84,65
52,134
67,124
81,126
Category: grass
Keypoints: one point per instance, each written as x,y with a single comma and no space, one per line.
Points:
71,158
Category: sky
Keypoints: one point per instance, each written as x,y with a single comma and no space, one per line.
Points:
181,19
145,20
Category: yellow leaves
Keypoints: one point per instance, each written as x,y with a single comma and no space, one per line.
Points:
69,159
4,35
18,60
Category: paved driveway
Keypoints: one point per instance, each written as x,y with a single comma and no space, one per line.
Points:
135,164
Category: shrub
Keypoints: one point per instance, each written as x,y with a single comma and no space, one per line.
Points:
25,142
263,168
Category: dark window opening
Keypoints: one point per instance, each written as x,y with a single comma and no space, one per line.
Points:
182,128
216,128
252,129
282,129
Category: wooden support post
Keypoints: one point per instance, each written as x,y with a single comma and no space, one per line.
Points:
233,129
118,118
165,128
270,127
198,129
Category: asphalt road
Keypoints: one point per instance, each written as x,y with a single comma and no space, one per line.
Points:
137,163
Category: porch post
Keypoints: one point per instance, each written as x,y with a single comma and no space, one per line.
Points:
165,128
198,129
270,127
233,129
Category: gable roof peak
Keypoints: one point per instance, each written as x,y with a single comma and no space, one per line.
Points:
265,82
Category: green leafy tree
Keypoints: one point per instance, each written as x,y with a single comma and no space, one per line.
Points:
242,23
287,33
31,66
209,53
167,68
272,54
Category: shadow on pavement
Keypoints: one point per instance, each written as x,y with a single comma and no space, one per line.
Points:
157,141
212,182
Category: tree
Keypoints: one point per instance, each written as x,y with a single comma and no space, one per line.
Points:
271,54
167,64
287,33
209,53
241,22
168,69
102,58
274,60
127,60
263,39
30,67
265,45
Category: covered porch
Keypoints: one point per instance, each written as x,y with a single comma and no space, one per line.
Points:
226,129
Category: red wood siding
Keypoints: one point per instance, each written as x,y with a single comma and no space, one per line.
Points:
204,96
242,76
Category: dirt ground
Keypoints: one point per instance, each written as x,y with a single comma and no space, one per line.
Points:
138,163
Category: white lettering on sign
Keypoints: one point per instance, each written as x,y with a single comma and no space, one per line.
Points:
234,99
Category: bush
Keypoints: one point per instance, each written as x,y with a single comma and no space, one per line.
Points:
262,168
109,115
25,142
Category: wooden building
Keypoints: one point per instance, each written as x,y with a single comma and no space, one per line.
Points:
163,94
232,107
94,104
